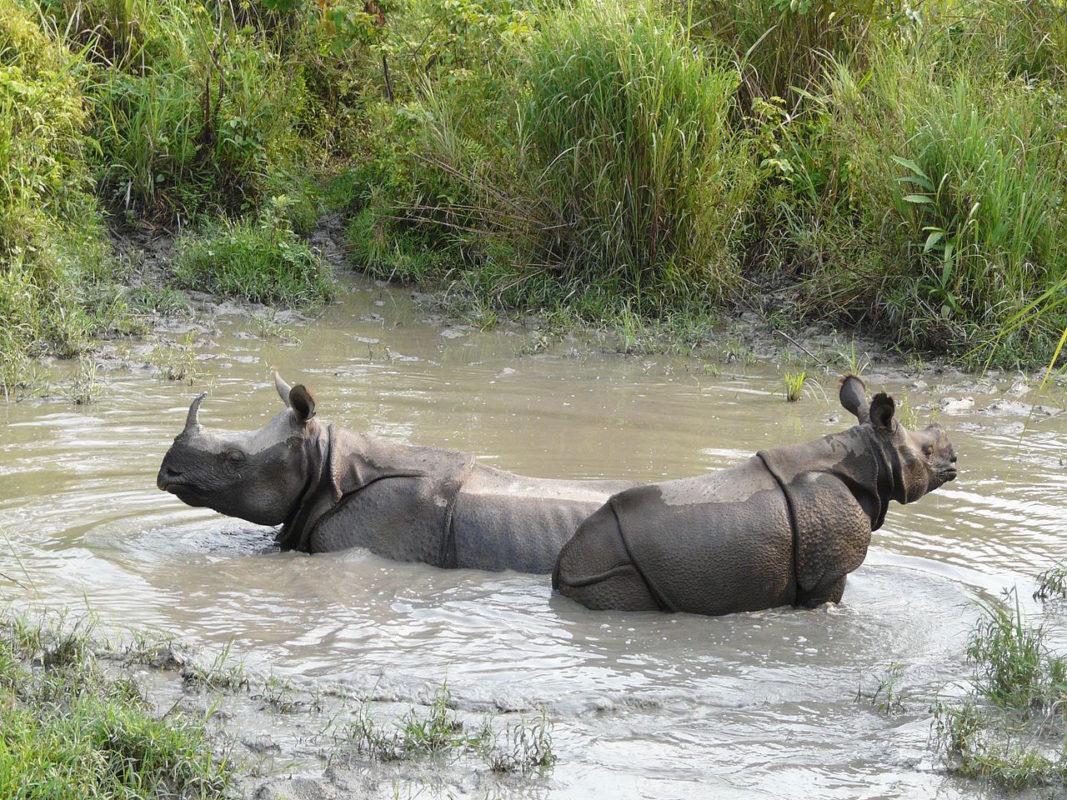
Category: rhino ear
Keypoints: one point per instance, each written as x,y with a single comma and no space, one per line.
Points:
301,401
282,387
853,396
882,410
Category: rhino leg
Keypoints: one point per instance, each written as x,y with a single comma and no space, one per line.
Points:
830,593
595,569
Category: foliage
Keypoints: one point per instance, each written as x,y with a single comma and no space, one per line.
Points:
67,731
1010,727
952,184
262,262
49,235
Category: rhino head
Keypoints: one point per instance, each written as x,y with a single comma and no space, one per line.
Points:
925,459
257,476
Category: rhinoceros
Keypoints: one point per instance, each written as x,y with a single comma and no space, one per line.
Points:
331,489
783,528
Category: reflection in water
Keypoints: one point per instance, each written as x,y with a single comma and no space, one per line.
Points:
653,705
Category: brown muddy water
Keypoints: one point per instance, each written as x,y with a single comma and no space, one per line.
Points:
643,705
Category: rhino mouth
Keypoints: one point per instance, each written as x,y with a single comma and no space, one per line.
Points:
946,475
170,481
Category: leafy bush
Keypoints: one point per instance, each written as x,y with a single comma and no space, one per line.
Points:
262,261
952,183
47,215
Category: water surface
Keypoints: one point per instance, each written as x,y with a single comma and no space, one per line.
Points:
644,705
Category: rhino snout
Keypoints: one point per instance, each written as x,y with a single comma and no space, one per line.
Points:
167,477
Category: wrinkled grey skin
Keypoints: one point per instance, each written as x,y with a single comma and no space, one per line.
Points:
332,489
783,528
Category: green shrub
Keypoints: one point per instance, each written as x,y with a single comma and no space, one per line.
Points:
264,262
952,183
49,225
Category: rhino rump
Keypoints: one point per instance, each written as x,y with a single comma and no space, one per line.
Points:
639,552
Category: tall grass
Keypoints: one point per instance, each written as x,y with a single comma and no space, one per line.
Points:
643,177
952,181
49,232
197,122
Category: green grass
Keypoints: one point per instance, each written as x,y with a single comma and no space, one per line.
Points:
521,748
261,262
1009,727
67,732
631,162
794,385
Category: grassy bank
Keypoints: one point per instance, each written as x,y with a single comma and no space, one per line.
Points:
896,169
67,731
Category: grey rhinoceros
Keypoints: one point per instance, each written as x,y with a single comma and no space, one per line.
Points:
783,528
333,489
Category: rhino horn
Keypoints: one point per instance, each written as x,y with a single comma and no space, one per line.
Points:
283,388
192,421
853,395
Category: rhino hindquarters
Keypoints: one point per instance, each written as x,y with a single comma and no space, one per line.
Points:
595,569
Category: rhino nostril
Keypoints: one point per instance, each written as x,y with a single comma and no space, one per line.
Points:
953,459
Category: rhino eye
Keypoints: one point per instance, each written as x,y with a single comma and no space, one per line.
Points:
928,449
235,456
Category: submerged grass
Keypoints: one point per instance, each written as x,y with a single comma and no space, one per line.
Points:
520,748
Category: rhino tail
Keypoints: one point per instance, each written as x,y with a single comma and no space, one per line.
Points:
595,569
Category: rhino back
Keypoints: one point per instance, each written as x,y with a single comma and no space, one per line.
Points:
714,544
507,521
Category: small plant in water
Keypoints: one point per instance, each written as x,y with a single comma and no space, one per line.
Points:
885,698
219,675
176,361
525,747
520,748
83,384
794,384
1052,584
1010,727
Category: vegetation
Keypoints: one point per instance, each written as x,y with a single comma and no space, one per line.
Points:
1010,727
896,167
523,748
67,731
794,385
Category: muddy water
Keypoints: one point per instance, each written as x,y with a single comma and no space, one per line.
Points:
644,705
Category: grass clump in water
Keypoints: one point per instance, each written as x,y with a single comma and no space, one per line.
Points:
521,748
67,731
794,385
1009,728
